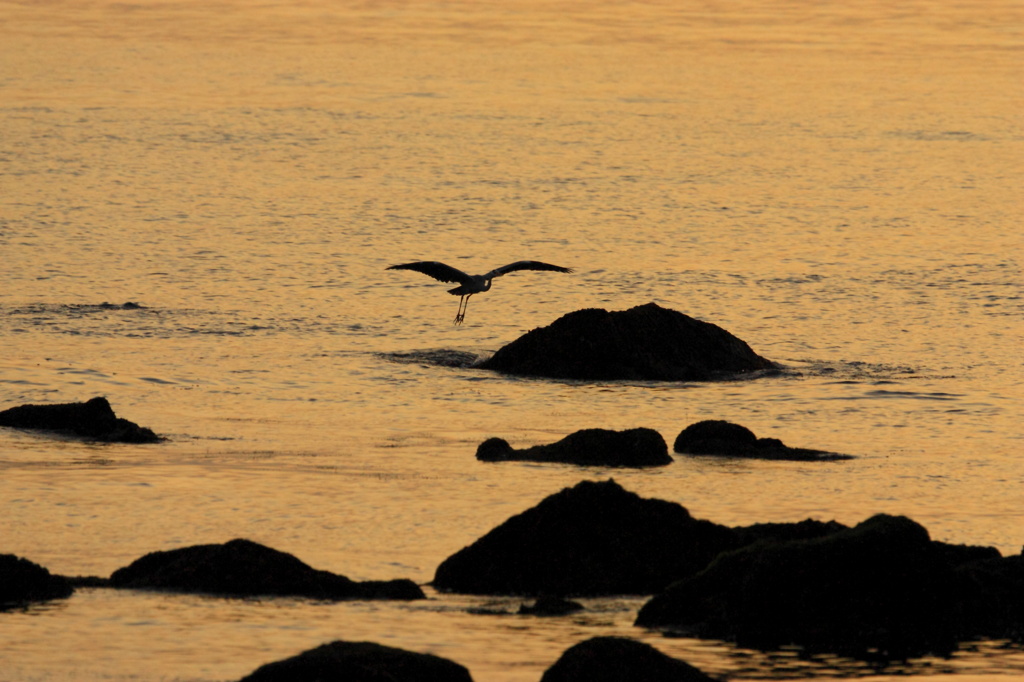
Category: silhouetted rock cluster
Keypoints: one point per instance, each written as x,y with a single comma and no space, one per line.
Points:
589,447
599,659
722,438
245,568
93,420
616,659
359,661
881,589
592,539
23,582
647,342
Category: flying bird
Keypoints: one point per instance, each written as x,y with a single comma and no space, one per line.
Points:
471,284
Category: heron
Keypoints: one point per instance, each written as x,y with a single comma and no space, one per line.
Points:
471,284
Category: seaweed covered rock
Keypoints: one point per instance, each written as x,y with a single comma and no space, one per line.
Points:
592,539
882,589
22,582
639,447
726,439
614,659
647,342
360,661
245,568
93,420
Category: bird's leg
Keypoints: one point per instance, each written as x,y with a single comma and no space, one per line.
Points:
460,316
462,309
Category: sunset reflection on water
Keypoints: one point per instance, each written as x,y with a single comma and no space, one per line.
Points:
837,185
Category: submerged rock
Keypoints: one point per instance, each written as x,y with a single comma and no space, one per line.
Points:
23,582
882,590
245,568
439,357
550,606
592,539
589,447
93,420
615,659
359,661
726,439
647,342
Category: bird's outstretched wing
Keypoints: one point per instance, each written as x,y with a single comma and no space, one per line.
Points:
435,269
525,265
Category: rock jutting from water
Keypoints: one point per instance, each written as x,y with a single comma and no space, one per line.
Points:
647,342
92,420
726,439
614,659
596,538
550,606
882,589
592,539
359,661
23,582
245,568
640,447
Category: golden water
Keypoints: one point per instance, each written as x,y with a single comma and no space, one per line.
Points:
839,186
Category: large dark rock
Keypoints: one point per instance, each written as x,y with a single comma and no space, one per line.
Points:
647,342
22,582
93,420
618,659
725,439
589,447
594,538
881,589
360,662
245,568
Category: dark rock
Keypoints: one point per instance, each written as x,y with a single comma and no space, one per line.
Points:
616,659
594,538
882,589
245,568
550,606
360,662
128,305
589,447
647,342
22,582
722,438
93,420
991,601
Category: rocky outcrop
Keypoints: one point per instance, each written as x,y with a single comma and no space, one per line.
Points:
359,661
245,568
726,439
92,420
23,582
592,539
647,342
589,447
881,589
614,659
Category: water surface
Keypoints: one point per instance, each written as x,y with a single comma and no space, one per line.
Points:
838,186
